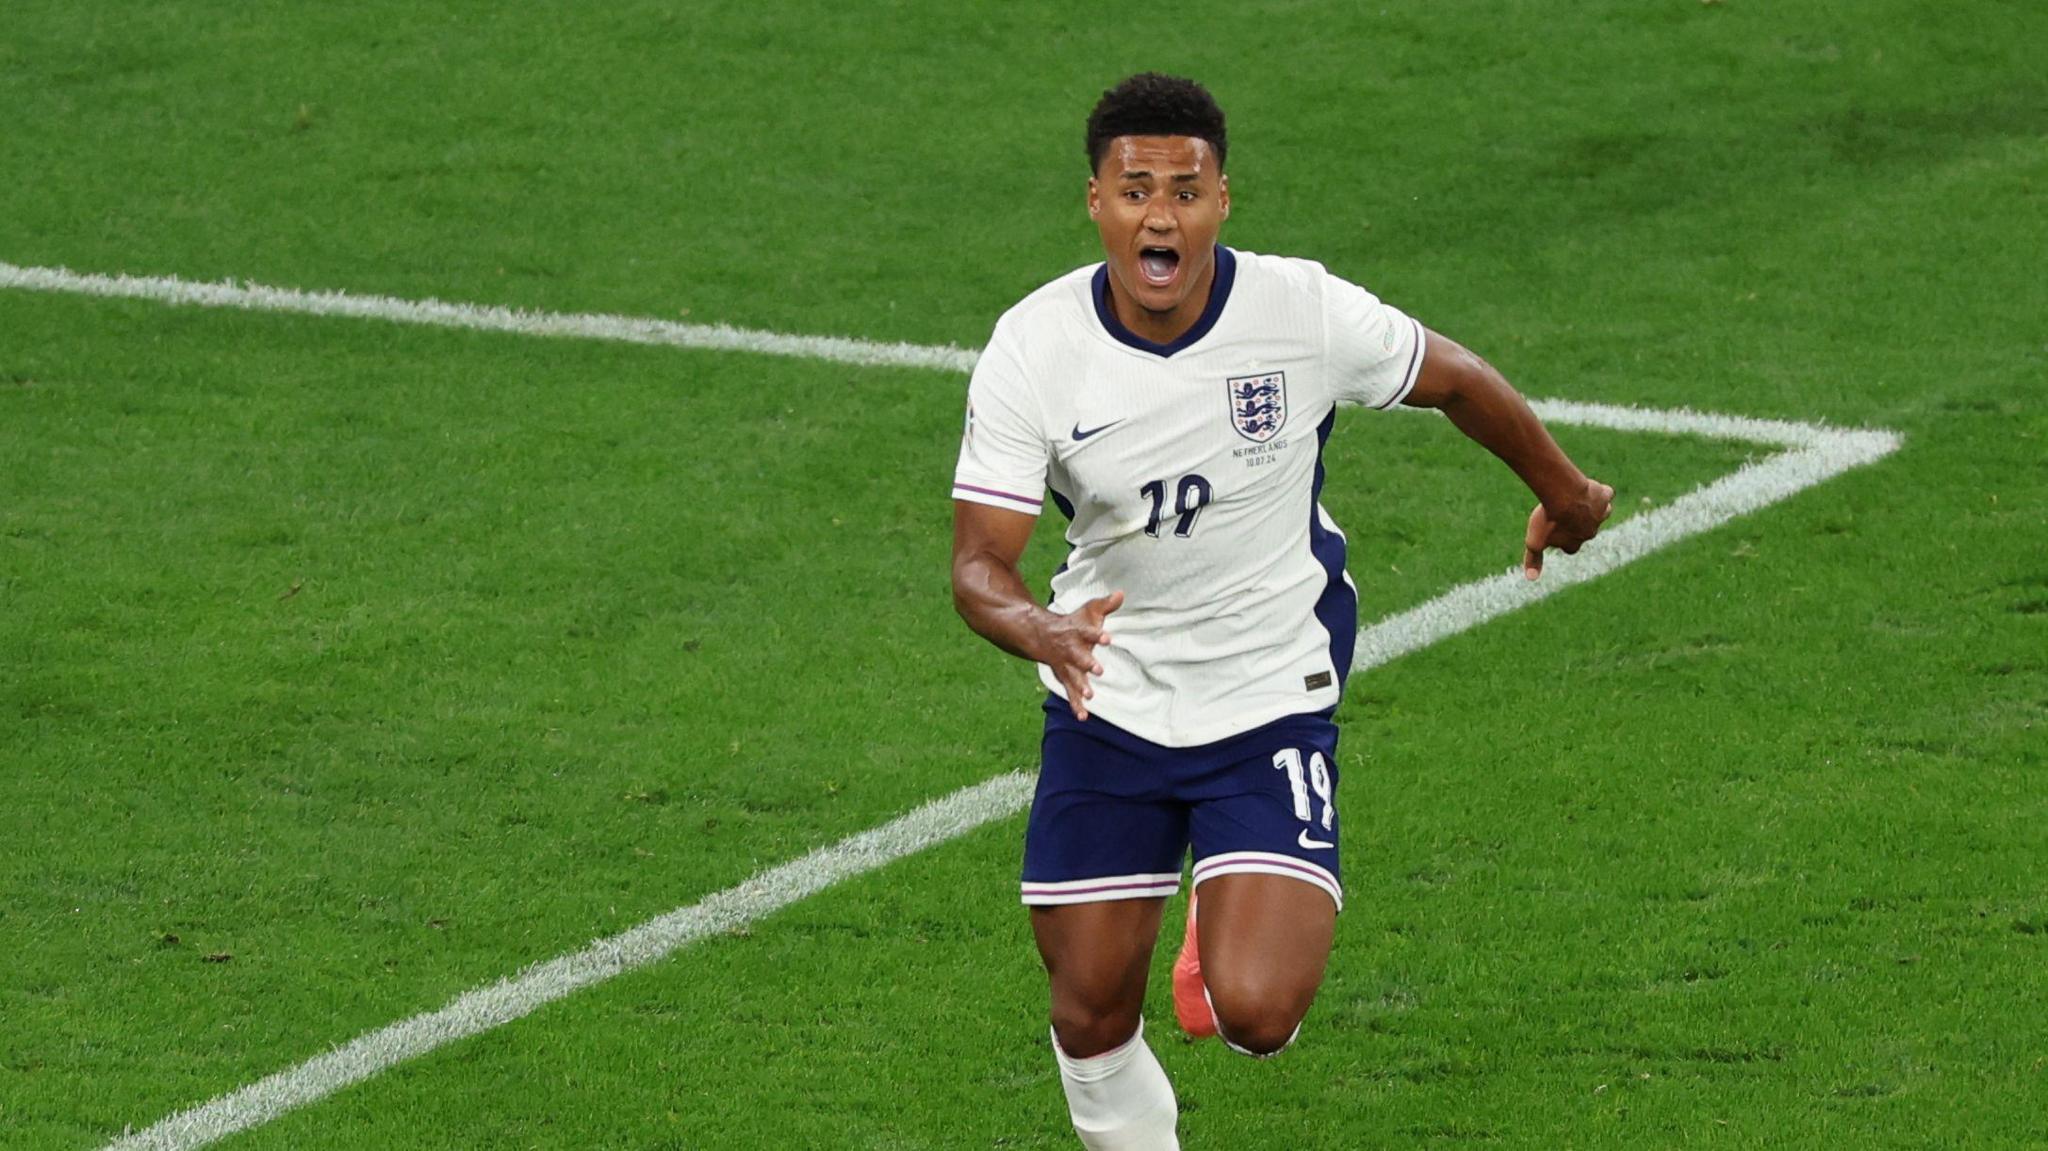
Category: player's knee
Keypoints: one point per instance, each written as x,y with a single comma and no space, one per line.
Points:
1259,1033
1259,1020
1088,1026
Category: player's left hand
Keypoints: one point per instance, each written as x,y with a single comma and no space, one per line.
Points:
1565,525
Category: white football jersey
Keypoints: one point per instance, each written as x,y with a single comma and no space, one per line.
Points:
1190,473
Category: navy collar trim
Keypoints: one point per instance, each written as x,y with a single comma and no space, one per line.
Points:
1219,294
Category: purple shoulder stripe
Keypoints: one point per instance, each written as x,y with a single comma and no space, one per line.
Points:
1037,503
1412,371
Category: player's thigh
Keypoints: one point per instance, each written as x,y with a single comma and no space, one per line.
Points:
1097,947
1097,957
1265,941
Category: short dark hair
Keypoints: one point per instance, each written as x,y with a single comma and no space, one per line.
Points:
1151,104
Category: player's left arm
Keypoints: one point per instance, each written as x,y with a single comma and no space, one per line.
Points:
1571,505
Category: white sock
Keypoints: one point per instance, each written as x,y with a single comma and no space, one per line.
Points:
1120,1100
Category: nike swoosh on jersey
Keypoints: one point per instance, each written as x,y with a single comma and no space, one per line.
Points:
1311,844
1080,435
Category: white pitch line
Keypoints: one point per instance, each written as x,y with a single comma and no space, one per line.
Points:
1755,485
1813,453
483,318
1685,421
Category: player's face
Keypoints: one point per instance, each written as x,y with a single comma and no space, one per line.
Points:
1159,202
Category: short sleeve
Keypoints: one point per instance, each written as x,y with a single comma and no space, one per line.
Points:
1003,450
1375,350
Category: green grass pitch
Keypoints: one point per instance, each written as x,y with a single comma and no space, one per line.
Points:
345,666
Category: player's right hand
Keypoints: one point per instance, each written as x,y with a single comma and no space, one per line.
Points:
1067,645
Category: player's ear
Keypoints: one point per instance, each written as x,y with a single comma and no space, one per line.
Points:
1094,198
1223,194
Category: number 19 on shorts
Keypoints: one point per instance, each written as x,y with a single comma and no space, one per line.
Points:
1316,778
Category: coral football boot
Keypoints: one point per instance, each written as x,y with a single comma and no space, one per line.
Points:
1190,999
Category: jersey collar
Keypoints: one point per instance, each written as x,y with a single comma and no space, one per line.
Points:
1219,294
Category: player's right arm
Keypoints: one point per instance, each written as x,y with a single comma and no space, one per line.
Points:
990,594
997,493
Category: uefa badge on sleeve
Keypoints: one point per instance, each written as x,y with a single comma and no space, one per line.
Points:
1258,405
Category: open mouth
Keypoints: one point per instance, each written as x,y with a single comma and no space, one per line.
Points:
1158,265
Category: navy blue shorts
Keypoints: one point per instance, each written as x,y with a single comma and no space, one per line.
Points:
1115,814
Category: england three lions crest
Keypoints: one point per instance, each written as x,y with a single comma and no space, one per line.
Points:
1258,405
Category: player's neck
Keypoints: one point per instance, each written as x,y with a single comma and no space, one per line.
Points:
1164,327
